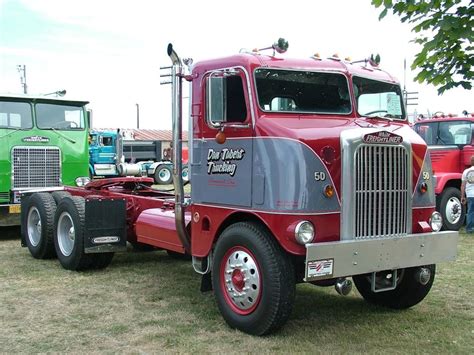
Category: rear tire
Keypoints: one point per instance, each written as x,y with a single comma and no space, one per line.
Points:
59,195
185,174
253,279
163,175
451,209
69,234
408,293
40,210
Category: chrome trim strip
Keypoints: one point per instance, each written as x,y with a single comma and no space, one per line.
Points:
292,213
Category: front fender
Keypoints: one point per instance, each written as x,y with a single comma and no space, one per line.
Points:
442,180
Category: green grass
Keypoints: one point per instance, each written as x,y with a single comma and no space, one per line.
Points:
148,302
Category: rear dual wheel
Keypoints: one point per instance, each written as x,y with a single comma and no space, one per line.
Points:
253,279
40,210
69,229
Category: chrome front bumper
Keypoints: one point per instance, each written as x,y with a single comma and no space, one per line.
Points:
355,257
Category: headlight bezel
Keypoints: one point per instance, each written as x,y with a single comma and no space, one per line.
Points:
304,232
436,221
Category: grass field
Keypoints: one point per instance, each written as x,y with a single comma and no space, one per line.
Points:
148,303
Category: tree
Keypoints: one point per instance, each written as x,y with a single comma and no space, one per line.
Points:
445,30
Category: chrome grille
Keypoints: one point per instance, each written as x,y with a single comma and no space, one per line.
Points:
36,167
381,191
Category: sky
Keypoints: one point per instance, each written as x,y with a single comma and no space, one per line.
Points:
109,52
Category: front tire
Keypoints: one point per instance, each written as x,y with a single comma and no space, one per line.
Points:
451,209
163,175
40,209
409,290
253,279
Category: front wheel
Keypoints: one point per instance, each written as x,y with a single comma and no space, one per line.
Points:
253,279
411,288
163,175
451,209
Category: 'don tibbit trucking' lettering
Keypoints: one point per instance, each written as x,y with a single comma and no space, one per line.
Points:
220,162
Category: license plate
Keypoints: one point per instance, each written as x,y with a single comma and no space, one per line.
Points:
14,208
320,268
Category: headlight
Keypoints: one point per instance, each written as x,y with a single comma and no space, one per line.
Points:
304,232
82,181
436,221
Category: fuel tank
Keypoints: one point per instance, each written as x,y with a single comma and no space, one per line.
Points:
157,227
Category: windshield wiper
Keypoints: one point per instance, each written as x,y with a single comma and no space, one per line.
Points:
62,135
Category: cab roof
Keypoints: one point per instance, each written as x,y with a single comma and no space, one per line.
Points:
41,98
250,61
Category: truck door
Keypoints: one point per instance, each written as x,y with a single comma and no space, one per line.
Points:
222,172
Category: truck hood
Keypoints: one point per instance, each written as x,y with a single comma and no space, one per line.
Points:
322,133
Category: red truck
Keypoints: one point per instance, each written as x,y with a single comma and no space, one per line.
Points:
302,170
450,142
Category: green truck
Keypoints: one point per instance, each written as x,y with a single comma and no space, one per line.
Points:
43,144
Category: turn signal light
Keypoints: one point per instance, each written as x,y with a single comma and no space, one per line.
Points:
329,191
423,187
221,137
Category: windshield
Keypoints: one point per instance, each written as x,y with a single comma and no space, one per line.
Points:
15,115
377,98
445,133
61,117
302,91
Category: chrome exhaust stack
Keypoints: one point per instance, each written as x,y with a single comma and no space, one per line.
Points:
343,286
177,118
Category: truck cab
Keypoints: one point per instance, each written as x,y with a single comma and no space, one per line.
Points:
43,144
450,143
103,157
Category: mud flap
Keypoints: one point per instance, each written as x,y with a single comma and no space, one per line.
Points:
105,226
23,215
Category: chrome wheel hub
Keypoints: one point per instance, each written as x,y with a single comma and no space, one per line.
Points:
242,280
34,226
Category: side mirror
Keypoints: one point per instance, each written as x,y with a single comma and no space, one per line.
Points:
216,99
89,118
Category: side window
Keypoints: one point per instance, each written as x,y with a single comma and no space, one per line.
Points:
107,141
225,98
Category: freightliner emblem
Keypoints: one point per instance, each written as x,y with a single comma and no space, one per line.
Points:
382,137
36,139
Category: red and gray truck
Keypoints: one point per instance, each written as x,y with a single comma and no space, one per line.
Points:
451,146
302,170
